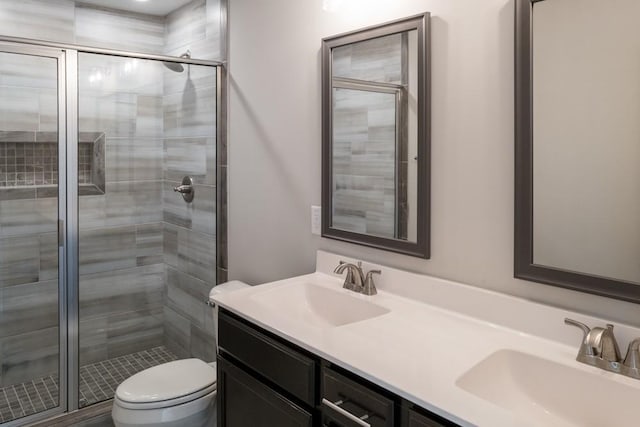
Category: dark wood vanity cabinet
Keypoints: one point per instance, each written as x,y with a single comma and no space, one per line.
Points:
346,402
265,381
291,370
262,382
245,401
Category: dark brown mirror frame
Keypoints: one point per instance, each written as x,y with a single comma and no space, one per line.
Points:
420,248
524,268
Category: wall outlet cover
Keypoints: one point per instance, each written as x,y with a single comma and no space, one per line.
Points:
316,220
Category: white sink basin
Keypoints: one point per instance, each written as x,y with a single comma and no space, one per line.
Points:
317,305
551,394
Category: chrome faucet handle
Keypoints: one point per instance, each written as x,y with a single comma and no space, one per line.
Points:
369,287
632,359
186,188
605,344
349,282
585,347
602,343
183,189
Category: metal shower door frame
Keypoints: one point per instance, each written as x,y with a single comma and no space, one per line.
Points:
61,57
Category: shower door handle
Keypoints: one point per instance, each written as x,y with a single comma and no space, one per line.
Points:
60,233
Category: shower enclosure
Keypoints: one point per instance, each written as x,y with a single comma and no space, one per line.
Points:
104,269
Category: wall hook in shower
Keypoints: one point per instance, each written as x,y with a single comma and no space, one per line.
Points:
187,189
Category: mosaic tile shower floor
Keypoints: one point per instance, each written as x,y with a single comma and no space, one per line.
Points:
98,382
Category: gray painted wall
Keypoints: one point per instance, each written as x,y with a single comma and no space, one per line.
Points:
274,146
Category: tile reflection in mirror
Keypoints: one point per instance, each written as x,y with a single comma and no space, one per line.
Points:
376,130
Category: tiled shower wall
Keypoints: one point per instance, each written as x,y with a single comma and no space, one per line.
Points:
197,26
147,259
121,261
28,273
189,109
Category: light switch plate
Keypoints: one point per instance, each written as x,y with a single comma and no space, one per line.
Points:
316,220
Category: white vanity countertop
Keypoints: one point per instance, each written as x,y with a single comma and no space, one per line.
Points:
422,347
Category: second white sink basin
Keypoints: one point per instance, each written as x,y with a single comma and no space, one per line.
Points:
317,305
552,393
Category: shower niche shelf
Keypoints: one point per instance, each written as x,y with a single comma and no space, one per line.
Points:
29,164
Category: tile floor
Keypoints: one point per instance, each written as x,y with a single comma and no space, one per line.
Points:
98,382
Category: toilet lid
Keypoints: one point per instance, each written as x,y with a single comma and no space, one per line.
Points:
168,381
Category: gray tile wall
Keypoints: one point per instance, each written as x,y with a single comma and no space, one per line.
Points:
189,113
122,283
28,95
28,266
147,259
37,19
118,30
196,26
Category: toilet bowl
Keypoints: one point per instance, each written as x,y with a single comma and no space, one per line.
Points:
174,394
178,393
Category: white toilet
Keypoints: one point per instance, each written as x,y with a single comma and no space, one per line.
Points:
175,394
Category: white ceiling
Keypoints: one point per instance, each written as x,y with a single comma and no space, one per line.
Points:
149,7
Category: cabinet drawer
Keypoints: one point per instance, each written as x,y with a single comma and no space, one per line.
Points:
346,403
244,401
285,367
413,418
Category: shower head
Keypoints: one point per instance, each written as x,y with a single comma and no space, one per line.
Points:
176,66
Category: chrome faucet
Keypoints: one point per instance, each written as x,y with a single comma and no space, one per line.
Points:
356,280
599,348
187,189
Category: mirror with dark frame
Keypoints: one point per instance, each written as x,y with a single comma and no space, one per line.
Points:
375,143
577,188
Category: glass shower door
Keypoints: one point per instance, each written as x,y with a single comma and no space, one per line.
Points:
147,257
31,325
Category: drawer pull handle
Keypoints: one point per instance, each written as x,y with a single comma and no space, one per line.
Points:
345,414
341,402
